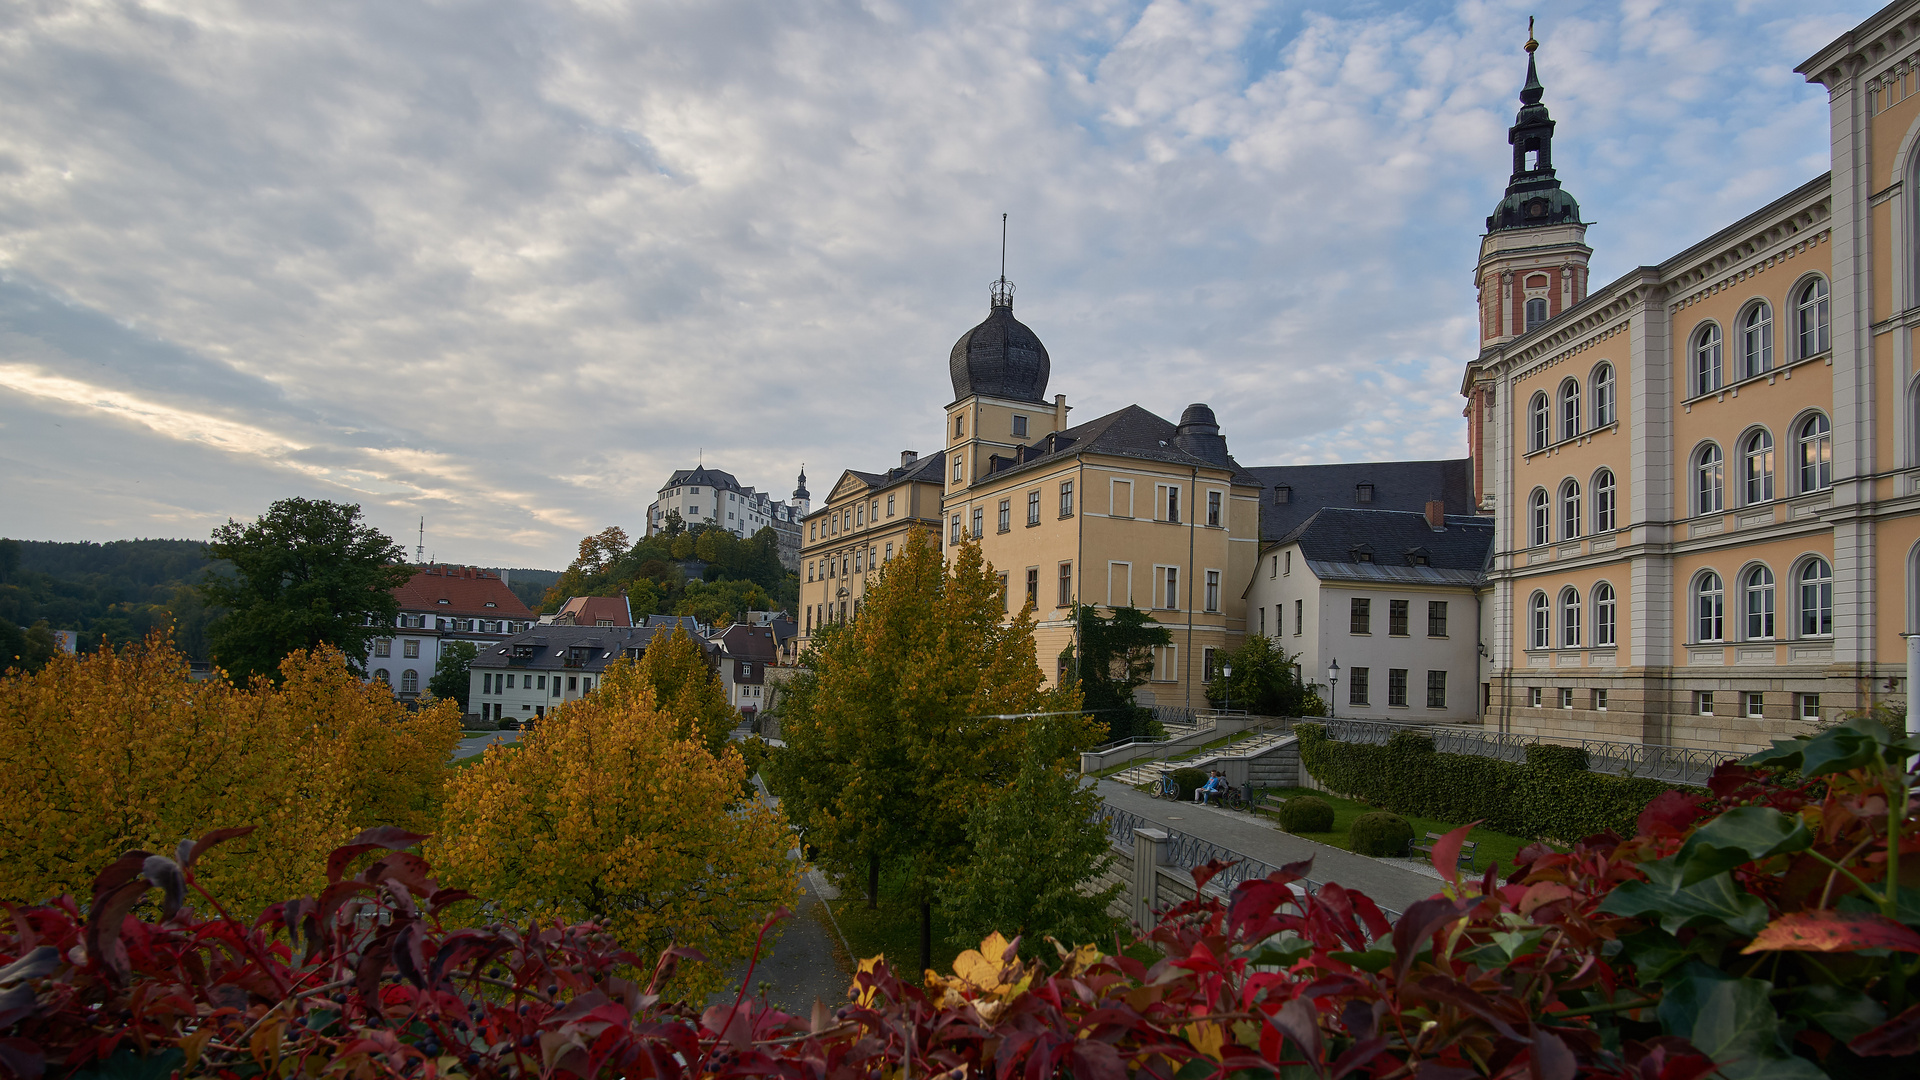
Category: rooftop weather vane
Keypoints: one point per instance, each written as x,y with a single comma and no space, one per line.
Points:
1002,288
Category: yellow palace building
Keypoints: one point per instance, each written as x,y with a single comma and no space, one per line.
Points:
1706,473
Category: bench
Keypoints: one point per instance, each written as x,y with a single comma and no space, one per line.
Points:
1425,847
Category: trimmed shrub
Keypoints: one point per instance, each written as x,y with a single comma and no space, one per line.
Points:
476,722
1550,795
1190,781
1305,813
1380,833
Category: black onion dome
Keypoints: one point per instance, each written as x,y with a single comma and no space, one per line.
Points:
1000,358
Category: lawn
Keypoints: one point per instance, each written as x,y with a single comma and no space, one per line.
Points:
1493,847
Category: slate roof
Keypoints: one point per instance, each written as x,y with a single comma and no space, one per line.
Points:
466,589
743,642
1001,358
704,476
551,647
1397,485
930,468
1332,540
1130,432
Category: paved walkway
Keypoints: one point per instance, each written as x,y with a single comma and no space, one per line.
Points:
473,745
1388,885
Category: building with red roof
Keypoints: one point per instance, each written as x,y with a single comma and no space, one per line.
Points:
441,604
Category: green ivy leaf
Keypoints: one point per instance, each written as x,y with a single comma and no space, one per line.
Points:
1841,1012
1655,952
1678,906
1739,836
1732,1022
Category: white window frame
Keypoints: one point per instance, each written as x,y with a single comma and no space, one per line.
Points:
1213,591
1539,621
1705,368
1759,605
1813,324
1166,586
1571,620
1756,467
1756,340
1605,616
1709,604
1605,408
1605,502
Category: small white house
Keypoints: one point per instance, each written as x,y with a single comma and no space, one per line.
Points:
1393,597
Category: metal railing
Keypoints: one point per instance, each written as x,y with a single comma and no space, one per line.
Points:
1185,851
1691,765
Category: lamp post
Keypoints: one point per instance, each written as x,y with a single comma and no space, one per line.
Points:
1333,682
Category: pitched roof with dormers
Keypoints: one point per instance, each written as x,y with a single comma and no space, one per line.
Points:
460,590
1392,547
1132,432
1397,485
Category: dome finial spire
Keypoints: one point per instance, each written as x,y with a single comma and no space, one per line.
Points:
1531,43
1002,289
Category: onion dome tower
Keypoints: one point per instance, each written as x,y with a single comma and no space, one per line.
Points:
1001,357
801,498
1534,196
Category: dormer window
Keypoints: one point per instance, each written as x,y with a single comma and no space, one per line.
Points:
1418,557
492,604
1363,553
1282,494
1363,493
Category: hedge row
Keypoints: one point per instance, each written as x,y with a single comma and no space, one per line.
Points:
1551,795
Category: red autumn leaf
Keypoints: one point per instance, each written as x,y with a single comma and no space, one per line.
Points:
1833,931
1669,814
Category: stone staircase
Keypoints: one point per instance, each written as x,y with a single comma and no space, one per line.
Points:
1253,746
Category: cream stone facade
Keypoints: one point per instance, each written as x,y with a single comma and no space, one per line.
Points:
864,521
1706,473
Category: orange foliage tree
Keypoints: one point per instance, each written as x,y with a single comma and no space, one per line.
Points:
121,749
606,812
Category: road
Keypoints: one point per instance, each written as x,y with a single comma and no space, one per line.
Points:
472,745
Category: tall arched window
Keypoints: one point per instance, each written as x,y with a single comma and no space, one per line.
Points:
1536,312
1756,471
380,675
1710,608
1541,636
1540,518
1603,407
1709,481
1570,618
1816,599
1756,341
1810,318
1569,409
409,681
1602,615
1759,603
1603,513
1569,510
1706,360
1537,422
1816,454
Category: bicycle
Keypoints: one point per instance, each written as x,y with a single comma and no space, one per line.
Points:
1169,788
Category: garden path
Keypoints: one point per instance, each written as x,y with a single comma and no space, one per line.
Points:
1387,884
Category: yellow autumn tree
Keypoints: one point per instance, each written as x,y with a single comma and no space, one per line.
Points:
684,685
122,749
603,812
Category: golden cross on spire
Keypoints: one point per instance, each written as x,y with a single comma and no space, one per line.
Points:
1531,44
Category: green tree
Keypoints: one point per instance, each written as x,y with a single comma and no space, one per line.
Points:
1265,681
308,573
911,715
1035,844
673,526
26,649
452,672
1115,658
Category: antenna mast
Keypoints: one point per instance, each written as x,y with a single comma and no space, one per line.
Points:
420,549
1002,289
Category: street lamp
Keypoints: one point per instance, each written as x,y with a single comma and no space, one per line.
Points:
1333,681
1226,670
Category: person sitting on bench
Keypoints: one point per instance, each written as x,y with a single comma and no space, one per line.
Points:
1215,785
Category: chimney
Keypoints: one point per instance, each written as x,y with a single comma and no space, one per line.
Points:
1059,412
908,457
1437,515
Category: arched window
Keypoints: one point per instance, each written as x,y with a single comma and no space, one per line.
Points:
1816,599
1569,409
1709,481
1570,618
1540,518
1710,608
1759,603
1810,318
1537,421
1816,454
1536,311
1541,625
380,675
1756,341
1603,408
409,681
1706,360
1569,510
1603,515
1756,472
1602,615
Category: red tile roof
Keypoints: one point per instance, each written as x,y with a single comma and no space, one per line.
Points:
466,591
591,610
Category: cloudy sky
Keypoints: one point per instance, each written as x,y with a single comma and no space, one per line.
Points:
507,264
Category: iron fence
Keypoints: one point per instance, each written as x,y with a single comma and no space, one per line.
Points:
1691,765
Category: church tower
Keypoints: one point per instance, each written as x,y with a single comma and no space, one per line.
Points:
1533,258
